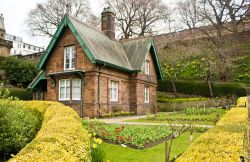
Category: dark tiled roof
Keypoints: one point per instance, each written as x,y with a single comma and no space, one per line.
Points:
136,51
101,47
126,55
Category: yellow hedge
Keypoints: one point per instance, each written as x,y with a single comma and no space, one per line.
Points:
61,137
222,143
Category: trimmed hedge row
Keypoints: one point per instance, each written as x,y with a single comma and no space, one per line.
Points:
201,88
21,94
61,137
18,126
224,142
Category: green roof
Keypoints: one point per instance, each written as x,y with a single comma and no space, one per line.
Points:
128,56
37,79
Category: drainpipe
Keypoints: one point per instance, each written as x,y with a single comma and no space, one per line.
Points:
98,91
82,85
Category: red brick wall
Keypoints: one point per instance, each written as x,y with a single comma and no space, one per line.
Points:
56,60
131,86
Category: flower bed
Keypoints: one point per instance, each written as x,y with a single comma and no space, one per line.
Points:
61,137
224,142
133,136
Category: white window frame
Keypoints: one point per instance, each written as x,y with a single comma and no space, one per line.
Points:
76,86
65,89
72,57
146,94
114,90
146,67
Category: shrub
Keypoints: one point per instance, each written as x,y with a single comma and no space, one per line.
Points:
19,72
18,126
201,88
179,100
224,142
61,137
21,94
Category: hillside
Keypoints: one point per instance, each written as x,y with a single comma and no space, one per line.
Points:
195,51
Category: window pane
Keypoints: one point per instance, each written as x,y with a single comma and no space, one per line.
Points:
67,92
62,93
146,94
69,57
113,91
76,89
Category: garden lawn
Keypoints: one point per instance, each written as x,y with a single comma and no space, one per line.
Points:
199,116
172,122
116,153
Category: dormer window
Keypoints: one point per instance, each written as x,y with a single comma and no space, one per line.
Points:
146,67
69,57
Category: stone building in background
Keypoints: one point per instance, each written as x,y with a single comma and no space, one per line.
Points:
5,45
11,45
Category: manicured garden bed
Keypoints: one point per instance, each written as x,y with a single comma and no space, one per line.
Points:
224,142
131,135
207,116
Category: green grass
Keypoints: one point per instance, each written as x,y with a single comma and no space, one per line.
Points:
172,122
179,100
190,115
116,153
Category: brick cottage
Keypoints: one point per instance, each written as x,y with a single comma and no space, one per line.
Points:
95,74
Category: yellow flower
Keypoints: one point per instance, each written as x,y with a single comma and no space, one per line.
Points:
98,140
108,160
94,145
94,134
89,135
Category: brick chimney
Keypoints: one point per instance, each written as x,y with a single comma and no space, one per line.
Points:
108,22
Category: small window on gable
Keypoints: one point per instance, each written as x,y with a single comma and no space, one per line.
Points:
146,94
146,67
69,58
113,91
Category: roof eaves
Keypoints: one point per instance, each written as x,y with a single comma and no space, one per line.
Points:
65,22
52,42
81,42
114,66
159,76
37,79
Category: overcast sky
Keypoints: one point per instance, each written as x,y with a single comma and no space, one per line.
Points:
15,12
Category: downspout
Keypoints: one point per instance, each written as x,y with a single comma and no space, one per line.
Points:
81,103
98,92
82,85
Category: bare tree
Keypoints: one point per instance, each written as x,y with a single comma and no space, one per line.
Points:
126,12
150,14
138,17
45,17
189,12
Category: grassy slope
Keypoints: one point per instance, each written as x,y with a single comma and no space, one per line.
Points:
116,153
240,71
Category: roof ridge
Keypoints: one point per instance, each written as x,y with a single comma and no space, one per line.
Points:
135,39
99,31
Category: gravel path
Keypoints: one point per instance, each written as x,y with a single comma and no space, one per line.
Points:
123,120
